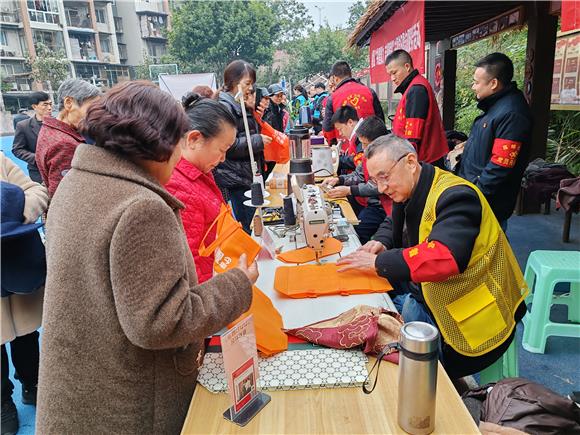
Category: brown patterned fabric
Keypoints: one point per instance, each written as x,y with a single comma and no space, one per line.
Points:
370,328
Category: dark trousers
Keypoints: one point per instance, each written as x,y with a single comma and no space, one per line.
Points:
24,352
370,218
242,213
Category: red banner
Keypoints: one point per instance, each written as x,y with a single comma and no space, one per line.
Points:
404,30
570,15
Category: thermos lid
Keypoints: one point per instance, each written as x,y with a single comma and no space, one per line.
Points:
419,337
298,130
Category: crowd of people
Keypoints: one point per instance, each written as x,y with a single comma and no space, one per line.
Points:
129,183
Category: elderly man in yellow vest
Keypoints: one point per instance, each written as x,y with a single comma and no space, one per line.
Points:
446,255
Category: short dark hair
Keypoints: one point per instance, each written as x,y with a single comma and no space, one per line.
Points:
399,55
206,115
136,120
235,72
37,97
344,114
498,66
341,69
320,85
371,128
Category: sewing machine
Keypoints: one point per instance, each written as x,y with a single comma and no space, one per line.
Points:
313,216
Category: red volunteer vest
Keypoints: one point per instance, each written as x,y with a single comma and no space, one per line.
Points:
433,143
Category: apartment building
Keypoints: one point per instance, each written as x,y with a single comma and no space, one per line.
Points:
102,39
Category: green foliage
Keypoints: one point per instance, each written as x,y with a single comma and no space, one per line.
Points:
293,19
512,43
142,71
49,66
356,11
319,50
564,139
207,35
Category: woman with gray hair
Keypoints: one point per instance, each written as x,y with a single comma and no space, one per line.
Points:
59,137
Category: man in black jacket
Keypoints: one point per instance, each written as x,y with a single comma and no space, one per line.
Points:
274,114
497,150
26,133
444,252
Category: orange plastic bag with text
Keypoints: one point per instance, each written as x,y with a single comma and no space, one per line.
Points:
279,149
230,243
313,280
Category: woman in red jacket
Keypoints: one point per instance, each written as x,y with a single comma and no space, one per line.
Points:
212,132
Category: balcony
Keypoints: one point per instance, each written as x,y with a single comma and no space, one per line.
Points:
118,24
10,52
83,48
150,7
78,18
153,27
9,18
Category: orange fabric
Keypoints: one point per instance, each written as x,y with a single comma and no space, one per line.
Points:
231,242
270,337
306,254
310,281
279,149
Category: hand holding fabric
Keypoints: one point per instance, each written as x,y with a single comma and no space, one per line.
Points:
361,260
251,271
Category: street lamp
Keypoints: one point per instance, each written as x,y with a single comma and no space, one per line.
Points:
319,16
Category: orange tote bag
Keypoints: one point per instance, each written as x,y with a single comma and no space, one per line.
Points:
231,242
279,149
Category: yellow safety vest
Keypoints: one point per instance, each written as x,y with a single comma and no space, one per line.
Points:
474,309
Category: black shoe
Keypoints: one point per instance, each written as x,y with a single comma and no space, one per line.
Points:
9,418
29,395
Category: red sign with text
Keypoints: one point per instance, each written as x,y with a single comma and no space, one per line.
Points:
404,30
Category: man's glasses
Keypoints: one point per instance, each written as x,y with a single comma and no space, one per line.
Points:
386,177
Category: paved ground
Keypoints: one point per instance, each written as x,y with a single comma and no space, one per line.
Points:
558,368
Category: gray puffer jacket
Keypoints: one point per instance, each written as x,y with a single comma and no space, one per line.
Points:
236,171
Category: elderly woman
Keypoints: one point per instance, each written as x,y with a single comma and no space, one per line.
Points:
124,316
212,132
59,137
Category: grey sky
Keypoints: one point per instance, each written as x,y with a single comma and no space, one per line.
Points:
335,12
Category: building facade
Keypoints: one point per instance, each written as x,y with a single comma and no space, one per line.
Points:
102,39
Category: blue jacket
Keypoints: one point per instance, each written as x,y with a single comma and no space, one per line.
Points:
498,147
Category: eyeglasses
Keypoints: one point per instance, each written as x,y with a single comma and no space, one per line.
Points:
386,177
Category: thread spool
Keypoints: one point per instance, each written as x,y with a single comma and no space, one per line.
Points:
257,194
289,216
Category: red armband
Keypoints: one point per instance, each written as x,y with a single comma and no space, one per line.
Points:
414,128
430,262
505,152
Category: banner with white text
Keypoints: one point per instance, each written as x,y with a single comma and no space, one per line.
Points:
405,29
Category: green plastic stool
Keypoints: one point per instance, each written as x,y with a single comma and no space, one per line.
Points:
505,367
547,268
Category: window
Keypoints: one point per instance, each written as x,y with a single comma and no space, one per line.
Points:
52,40
101,14
3,38
44,11
105,45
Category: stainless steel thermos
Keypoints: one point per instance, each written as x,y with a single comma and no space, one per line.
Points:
418,354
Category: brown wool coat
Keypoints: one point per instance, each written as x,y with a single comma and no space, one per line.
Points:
124,319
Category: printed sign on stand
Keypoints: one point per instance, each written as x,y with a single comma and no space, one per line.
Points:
241,368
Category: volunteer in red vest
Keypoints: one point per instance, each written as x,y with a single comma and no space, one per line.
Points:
417,117
348,91
444,246
375,206
212,133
